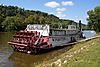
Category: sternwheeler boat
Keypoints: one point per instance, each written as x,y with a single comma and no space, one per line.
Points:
37,37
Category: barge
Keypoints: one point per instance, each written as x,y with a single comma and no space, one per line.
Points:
37,37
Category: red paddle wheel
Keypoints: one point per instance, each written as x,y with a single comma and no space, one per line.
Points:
29,41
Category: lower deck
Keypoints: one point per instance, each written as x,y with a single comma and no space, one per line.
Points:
60,40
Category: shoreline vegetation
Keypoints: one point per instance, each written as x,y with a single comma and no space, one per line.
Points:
13,18
84,53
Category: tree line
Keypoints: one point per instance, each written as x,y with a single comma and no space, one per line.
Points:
94,19
13,18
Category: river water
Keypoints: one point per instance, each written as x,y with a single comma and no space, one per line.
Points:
10,58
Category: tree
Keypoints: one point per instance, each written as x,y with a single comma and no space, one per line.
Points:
94,19
1,20
30,19
8,24
13,18
19,22
13,23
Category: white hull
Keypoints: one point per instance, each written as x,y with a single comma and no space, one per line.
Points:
62,40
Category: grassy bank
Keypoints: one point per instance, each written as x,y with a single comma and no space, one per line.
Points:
90,57
83,54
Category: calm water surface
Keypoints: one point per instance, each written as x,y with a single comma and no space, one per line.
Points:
5,50
88,33
10,58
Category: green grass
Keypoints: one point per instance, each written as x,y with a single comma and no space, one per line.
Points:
88,58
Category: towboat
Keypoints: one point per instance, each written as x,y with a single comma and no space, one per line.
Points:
36,37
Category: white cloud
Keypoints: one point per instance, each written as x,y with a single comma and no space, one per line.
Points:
52,4
61,15
69,3
59,12
61,9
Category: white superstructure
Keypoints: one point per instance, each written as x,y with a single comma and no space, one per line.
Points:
43,29
57,37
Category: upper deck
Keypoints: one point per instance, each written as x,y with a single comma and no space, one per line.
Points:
45,30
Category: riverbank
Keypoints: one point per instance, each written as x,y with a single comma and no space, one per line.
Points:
85,53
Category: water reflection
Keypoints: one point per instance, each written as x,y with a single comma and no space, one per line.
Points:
27,60
5,50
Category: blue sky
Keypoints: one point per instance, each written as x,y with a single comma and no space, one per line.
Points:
65,9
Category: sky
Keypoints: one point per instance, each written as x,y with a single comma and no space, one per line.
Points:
64,9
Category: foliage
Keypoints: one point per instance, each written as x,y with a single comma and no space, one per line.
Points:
1,20
94,18
12,23
13,18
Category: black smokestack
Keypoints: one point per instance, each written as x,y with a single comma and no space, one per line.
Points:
80,28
